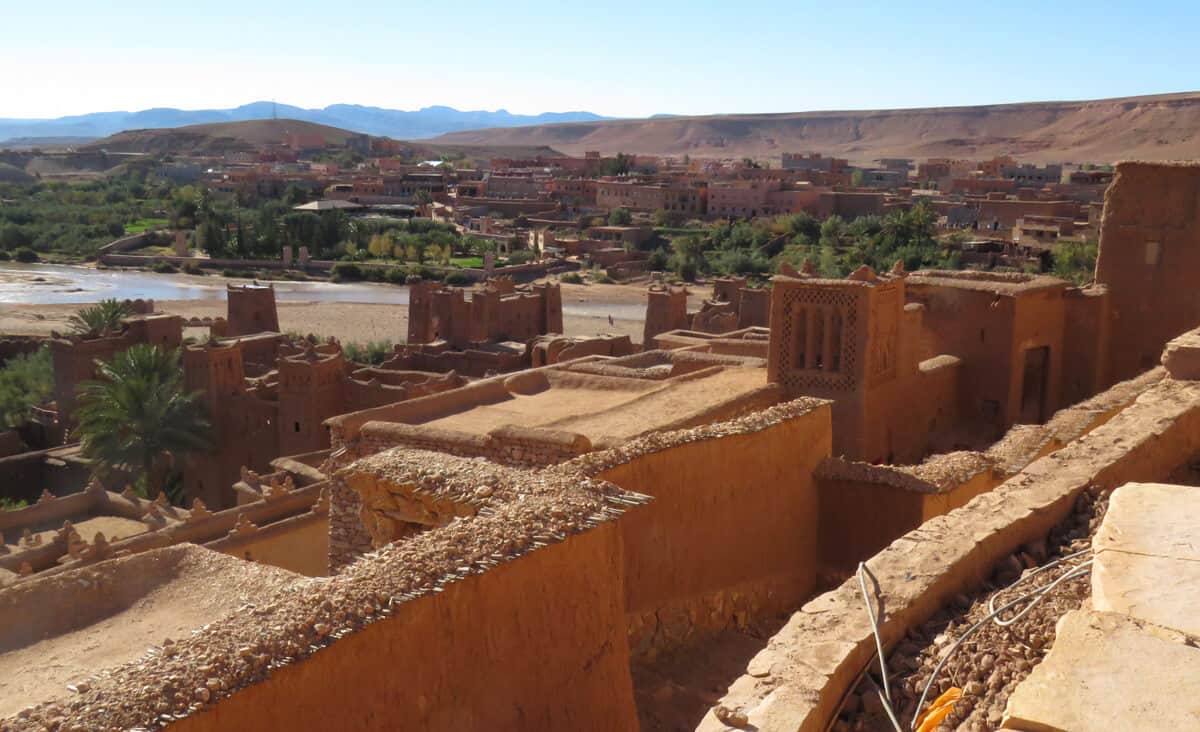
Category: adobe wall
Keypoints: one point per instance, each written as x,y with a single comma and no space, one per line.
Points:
976,326
27,474
754,308
75,362
666,309
536,643
824,647
17,345
1149,256
1086,343
1039,321
251,309
508,444
348,538
863,508
311,389
812,316
471,362
692,562
299,544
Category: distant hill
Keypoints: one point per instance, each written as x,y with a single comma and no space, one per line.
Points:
1161,127
22,143
227,137
418,124
216,138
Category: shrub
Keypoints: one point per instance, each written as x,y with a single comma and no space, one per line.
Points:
164,268
604,278
397,275
240,273
25,381
296,275
346,272
373,352
522,256
425,273
193,269
12,504
26,255
458,279
4,256
687,271
572,278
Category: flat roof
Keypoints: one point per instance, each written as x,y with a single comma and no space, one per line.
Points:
602,406
163,593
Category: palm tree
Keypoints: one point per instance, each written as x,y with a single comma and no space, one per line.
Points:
136,417
105,316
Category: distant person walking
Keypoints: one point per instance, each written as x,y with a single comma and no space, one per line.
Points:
610,320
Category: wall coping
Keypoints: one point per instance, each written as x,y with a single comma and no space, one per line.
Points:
820,652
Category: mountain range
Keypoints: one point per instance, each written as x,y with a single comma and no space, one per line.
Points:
400,124
1158,127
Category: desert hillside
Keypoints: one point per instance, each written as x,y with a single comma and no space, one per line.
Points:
225,137
1162,127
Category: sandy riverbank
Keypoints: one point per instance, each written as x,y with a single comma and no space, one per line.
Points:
351,321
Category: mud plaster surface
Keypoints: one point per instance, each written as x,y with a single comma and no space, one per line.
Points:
202,587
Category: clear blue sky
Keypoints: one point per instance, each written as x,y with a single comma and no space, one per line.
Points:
615,58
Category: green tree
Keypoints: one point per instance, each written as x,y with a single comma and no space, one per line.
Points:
25,381
688,258
136,417
620,217
106,316
833,232
1076,261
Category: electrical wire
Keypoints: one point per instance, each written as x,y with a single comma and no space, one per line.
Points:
1036,594
886,695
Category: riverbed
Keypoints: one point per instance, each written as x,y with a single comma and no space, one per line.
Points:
36,299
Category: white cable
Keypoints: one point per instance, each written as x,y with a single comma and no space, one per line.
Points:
1034,573
886,696
1040,592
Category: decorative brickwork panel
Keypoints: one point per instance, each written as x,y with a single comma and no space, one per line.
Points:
838,375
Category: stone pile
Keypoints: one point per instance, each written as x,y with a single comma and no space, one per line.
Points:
992,662
183,677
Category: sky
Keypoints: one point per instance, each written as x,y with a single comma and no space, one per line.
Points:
622,59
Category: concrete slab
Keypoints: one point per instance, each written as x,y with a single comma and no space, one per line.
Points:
1154,519
1110,672
1158,590
1147,561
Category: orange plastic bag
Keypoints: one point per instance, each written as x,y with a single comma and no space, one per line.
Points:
937,711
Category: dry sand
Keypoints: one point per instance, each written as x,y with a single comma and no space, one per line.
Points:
355,321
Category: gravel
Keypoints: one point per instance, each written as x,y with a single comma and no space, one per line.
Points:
991,663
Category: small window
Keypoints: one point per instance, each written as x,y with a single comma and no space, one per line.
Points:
297,426
1153,250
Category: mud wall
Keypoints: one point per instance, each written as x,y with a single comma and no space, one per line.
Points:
955,553
691,562
1085,344
858,518
536,643
1149,256
299,544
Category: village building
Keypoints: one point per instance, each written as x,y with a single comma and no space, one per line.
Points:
563,546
